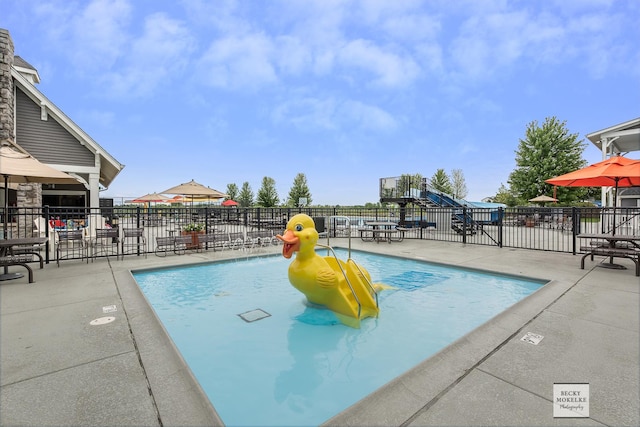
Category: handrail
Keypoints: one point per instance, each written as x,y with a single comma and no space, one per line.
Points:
368,282
329,248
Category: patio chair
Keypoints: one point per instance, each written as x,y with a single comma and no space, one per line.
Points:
69,244
221,240
133,241
164,245
206,241
181,244
106,241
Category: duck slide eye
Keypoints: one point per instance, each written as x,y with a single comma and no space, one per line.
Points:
299,227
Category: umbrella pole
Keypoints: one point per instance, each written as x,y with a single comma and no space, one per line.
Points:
615,202
6,207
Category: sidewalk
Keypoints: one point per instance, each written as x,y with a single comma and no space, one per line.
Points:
58,369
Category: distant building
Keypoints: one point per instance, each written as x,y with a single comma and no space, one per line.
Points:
29,119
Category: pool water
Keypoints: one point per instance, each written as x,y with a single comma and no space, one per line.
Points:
299,365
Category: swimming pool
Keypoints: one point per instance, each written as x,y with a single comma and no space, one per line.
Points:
300,365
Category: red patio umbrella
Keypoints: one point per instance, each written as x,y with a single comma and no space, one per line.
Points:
614,172
229,202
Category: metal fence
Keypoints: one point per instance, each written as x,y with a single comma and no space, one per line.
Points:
547,229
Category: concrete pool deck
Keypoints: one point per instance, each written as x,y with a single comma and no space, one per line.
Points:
58,369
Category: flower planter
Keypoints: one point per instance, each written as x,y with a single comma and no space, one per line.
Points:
194,238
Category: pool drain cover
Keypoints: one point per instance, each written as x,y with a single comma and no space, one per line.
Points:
253,315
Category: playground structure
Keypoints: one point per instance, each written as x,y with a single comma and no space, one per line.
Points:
406,189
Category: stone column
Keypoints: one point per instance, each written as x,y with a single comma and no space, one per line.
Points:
6,87
28,195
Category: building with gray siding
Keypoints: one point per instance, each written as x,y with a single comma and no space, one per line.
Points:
32,121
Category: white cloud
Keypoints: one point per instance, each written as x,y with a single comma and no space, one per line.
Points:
222,15
91,34
239,62
366,117
104,119
412,27
307,113
98,32
489,42
430,56
593,35
376,11
329,114
293,56
320,23
389,68
154,59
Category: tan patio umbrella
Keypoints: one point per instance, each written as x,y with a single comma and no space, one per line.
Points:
151,197
543,199
195,189
17,166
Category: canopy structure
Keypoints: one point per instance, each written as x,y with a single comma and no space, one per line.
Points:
621,138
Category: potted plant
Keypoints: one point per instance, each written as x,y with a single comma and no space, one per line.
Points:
193,229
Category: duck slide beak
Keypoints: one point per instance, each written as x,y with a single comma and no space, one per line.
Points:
291,243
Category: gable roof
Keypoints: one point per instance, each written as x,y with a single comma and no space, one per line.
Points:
623,137
109,166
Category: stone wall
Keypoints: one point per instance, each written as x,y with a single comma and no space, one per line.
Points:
6,87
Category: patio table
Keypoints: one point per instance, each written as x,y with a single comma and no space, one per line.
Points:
7,253
609,245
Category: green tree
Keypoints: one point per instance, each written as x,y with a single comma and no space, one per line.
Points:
232,191
441,182
458,184
267,195
409,184
506,196
547,151
299,190
245,199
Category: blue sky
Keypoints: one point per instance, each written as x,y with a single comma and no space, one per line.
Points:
344,91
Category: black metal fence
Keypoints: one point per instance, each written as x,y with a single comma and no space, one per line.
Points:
541,228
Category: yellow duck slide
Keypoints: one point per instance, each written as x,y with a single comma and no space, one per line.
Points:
343,287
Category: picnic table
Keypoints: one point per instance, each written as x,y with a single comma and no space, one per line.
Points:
19,252
381,231
612,246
